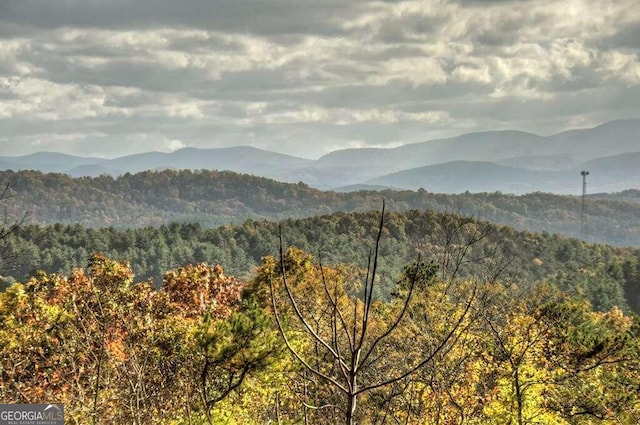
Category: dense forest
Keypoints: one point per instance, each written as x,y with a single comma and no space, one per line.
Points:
214,198
303,342
606,275
410,316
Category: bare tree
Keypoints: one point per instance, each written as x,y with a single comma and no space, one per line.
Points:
9,224
354,346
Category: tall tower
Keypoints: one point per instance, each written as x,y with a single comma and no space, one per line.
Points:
583,220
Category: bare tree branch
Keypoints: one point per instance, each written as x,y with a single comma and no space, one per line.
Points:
356,353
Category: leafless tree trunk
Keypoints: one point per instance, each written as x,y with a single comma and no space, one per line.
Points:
8,223
350,342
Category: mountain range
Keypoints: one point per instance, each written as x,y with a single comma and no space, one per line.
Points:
507,161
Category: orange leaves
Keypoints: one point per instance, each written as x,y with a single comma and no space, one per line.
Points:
196,289
99,342
115,346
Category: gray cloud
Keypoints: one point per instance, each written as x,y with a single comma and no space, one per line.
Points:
261,17
625,37
306,76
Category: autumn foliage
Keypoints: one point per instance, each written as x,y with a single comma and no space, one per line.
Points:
112,350
205,349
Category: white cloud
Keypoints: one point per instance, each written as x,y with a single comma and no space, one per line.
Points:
416,71
188,110
175,145
371,71
467,73
621,65
39,99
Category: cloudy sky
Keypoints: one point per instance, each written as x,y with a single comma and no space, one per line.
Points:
114,77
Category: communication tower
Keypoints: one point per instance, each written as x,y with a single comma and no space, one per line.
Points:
583,220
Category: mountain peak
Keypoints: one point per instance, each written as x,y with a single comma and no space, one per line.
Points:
527,151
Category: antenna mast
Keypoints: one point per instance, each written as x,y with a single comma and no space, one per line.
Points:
583,222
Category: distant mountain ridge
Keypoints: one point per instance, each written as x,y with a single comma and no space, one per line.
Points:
484,146
608,174
520,162
474,176
242,159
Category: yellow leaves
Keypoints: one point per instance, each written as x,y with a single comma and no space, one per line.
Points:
108,274
297,263
151,345
615,319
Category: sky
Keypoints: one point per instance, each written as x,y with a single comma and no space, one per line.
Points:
305,77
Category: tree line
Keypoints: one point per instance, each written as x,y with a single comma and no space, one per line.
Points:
215,198
605,275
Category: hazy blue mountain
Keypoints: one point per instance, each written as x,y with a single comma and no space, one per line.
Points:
330,177
610,138
475,176
49,162
491,145
7,164
516,149
242,159
541,162
518,153
613,173
609,174
624,165
92,170
40,158
486,146
137,162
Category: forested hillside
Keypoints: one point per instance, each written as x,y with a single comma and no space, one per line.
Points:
447,319
214,198
439,348
603,274
631,195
